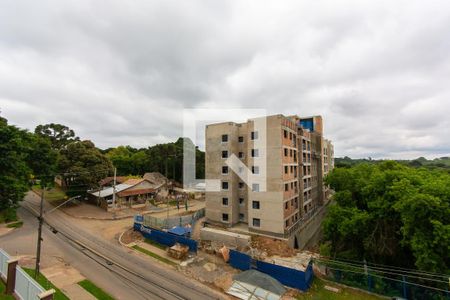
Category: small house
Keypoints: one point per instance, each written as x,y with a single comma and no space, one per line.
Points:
132,193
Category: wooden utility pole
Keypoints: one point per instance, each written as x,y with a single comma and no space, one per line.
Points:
41,221
114,189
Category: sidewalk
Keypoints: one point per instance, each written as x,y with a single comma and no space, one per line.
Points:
66,278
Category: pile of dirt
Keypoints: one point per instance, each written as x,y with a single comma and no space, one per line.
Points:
272,246
224,281
131,235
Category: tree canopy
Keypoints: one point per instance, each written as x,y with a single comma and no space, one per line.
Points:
82,166
22,156
59,135
390,213
164,158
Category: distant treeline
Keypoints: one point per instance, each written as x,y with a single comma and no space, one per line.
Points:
164,158
437,163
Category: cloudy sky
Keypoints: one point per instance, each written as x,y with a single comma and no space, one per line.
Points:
121,72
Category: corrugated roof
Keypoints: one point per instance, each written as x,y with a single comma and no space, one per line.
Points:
133,181
109,190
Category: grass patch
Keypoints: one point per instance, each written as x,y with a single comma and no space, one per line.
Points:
318,292
2,291
95,290
156,244
8,215
17,224
54,194
154,255
46,284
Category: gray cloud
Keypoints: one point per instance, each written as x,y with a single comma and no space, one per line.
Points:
122,73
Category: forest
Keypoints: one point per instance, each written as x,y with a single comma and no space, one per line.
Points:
391,213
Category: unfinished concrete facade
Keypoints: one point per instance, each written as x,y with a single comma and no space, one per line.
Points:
296,158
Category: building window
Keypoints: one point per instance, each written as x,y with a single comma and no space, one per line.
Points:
285,205
224,170
286,187
241,139
285,169
225,154
241,217
290,135
225,201
255,204
225,217
224,138
241,185
255,187
255,153
224,185
241,154
241,201
285,134
285,152
254,135
287,223
290,153
256,222
255,169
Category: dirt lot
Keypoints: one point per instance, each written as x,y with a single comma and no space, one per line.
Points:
107,229
272,246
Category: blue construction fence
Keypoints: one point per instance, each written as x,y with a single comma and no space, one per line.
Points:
165,238
290,277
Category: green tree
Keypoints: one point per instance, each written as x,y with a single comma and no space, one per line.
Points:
14,171
391,214
83,166
22,155
59,135
164,158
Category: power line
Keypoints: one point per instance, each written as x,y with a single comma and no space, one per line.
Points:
390,267
401,281
386,272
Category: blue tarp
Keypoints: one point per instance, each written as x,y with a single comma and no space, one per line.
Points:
287,276
239,260
308,124
180,230
165,238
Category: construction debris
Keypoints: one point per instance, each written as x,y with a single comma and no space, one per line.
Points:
178,251
225,253
209,266
270,246
300,261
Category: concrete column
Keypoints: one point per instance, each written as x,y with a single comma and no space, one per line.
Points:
47,295
11,278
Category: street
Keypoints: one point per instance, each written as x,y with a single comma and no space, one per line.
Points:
110,266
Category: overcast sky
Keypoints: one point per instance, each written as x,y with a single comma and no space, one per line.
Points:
121,72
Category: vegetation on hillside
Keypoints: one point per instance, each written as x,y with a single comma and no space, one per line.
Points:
437,163
390,213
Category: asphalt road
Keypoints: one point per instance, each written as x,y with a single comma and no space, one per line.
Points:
110,266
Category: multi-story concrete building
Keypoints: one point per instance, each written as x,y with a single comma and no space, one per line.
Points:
284,185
